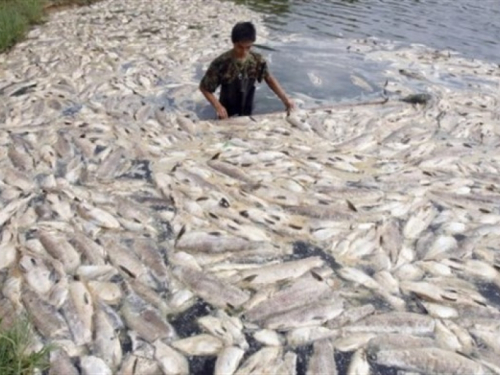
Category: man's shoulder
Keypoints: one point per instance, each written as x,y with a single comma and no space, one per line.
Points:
222,58
257,56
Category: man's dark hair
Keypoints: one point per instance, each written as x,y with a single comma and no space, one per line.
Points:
243,32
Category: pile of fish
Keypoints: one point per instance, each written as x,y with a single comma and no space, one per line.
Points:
116,55
361,238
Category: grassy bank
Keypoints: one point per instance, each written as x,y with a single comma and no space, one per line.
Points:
16,358
17,16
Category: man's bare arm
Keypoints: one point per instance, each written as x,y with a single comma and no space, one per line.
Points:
275,86
219,108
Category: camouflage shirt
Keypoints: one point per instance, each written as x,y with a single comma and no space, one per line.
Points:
225,69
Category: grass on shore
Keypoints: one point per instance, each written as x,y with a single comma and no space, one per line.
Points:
17,16
15,357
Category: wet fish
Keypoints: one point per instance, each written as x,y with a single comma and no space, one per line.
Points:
170,360
403,322
106,342
211,289
277,272
213,242
309,315
305,290
60,364
60,249
228,360
429,360
148,323
322,361
202,344
46,318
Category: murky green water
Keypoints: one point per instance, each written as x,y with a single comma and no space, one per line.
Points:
316,68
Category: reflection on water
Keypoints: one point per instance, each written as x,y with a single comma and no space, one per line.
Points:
468,26
317,68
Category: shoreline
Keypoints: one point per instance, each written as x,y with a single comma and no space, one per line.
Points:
20,17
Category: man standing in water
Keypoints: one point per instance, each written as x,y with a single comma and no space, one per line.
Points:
236,71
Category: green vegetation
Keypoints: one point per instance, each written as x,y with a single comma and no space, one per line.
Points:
17,16
15,356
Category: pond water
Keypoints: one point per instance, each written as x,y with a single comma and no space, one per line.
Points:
315,67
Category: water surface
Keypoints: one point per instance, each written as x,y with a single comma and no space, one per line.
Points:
315,68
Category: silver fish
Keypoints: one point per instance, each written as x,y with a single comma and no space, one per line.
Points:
60,363
322,360
211,289
402,322
46,318
429,361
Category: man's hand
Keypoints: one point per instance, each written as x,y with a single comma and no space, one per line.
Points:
275,86
219,108
289,104
221,112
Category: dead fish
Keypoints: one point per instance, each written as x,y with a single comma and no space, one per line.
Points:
150,254
92,365
304,290
228,360
170,360
402,322
360,82
260,361
147,294
303,336
309,315
186,124
359,364
36,274
226,328
60,249
12,207
106,344
394,341
63,146
109,167
7,314
295,121
213,243
98,216
288,365
48,321
107,292
429,361
60,363
99,272
93,253
8,250
322,360
211,289
391,239
320,212
148,323
268,337
126,261
276,272
20,158
359,277
419,221
78,310
199,345
231,171
351,315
